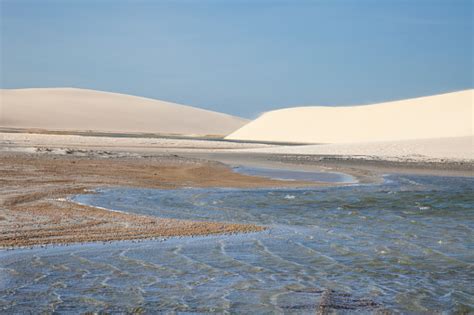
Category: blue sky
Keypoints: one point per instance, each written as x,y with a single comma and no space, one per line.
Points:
241,57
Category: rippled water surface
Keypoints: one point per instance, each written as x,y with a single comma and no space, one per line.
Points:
406,245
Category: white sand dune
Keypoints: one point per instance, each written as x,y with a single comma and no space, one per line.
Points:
69,109
423,150
439,116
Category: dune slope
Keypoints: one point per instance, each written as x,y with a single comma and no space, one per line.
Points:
88,110
439,116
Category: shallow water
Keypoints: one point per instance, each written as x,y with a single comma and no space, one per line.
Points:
406,245
293,175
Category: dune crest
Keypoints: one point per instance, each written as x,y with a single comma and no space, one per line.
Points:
74,109
438,116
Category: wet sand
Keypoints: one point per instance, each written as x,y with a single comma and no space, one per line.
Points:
34,187
365,170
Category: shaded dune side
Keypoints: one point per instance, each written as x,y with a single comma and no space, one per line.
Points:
439,116
88,110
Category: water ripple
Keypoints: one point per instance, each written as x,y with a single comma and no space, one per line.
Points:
406,246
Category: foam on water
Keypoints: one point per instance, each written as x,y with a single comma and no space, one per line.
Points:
355,248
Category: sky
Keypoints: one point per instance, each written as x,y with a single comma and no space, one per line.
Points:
241,57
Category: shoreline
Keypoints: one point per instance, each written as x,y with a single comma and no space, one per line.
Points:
364,170
37,174
34,209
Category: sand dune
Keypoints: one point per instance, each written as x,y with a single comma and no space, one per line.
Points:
80,110
439,116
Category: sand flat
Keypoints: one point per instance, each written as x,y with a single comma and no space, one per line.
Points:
121,143
438,116
423,150
89,110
